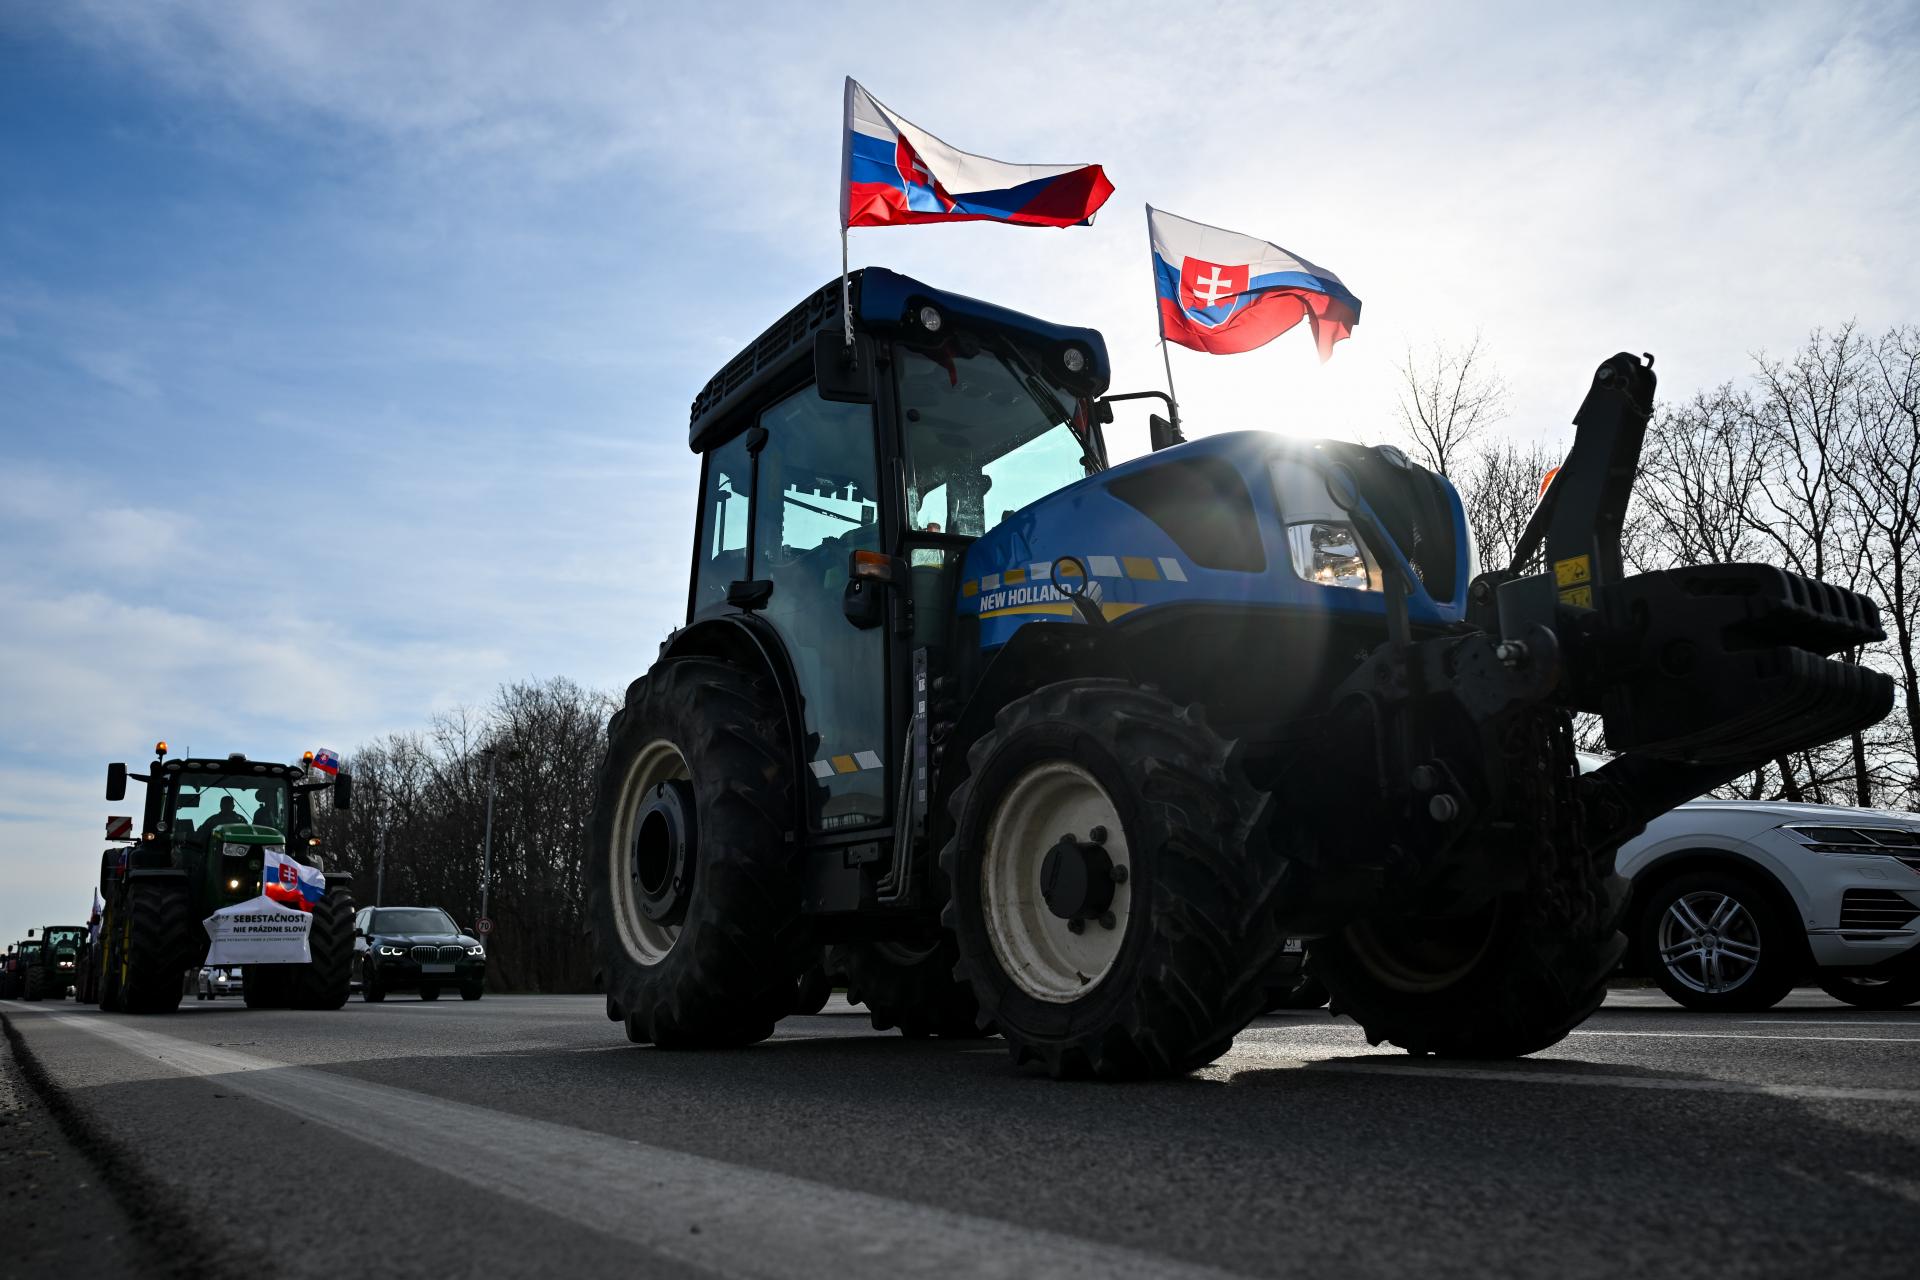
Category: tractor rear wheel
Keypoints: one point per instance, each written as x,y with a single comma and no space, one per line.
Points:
35,987
159,946
910,986
695,894
1109,913
107,954
327,981
1505,980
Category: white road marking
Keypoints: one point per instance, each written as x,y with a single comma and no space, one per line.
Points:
1843,1093
1837,1022
752,1223
1746,1035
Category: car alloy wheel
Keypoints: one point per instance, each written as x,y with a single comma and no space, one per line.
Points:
1709,942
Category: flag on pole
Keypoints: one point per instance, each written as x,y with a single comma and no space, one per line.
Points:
327,761
291,883
1224,293
894,173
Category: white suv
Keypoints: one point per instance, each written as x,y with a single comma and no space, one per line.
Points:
1736,901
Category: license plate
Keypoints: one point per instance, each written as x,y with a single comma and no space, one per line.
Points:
436,968
1294,946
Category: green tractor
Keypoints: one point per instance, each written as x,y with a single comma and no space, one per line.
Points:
55,966
14,971
1036,743
201,846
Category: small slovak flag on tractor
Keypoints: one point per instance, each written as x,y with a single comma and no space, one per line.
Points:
291,883
327,761
1224,293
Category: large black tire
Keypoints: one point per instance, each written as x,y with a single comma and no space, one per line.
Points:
728,973
1501,982
327,980
909,987
1866,991
1760,924
429,992
472,990
811,992
112,930
159,946
1194,913
34,989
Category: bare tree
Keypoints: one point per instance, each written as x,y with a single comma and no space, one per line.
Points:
1499,486
1447,398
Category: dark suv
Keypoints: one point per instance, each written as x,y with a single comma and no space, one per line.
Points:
415,949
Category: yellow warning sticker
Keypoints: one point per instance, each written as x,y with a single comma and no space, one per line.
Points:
1578,597
1573,571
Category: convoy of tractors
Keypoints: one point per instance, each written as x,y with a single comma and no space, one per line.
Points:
1007,739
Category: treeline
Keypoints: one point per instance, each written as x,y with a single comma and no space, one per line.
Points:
1812,464
422,798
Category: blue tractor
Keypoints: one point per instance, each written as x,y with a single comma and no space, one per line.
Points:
1038,745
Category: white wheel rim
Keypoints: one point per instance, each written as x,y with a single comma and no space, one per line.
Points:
646,941
1035,948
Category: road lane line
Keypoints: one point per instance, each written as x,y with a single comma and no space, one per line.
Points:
1748,1035
1798,1092
751,1222
1838,1022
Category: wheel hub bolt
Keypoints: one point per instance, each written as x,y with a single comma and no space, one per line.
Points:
1076,925
1107,920
1119,873
1098,835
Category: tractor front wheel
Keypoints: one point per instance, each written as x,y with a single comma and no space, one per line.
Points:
1505,980
1108,913
910,986
158,947
327,981
695,895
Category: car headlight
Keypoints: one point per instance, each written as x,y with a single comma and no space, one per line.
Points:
1329,553
386,950
66,964
1888,842
476,950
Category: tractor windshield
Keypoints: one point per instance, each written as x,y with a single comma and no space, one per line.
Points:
65,938
986,433
202,802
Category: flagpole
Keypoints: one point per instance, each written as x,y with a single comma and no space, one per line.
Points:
846,201
1160,324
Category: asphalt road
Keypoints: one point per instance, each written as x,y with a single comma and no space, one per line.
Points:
524,1136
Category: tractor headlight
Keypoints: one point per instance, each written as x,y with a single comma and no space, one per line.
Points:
1329,553
232,850
1074,359
930,319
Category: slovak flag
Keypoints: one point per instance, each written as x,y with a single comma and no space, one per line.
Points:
327,761
894,173
1224,293
291,883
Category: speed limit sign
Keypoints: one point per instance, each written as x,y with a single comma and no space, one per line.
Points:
484,927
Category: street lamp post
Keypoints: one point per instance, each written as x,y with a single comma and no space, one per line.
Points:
486,843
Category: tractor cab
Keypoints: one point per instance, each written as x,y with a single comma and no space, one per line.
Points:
841,485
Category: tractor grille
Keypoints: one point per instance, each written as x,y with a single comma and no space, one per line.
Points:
1875,911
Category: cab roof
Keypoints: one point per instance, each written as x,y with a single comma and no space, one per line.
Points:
884,303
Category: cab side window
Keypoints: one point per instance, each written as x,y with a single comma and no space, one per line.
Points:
726,503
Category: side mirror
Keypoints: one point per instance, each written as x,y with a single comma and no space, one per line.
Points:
863,602
343,790
116,782
842,373
1163,434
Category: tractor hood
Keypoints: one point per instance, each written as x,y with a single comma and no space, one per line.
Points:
1242,519
242,833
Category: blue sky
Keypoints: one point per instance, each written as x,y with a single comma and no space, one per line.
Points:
345,349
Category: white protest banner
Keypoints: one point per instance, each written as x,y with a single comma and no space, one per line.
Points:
259,931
